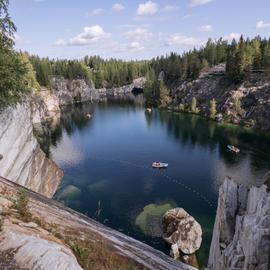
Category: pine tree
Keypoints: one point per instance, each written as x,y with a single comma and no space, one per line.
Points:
194,108
213,108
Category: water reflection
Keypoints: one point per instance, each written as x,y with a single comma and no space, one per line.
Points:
107,163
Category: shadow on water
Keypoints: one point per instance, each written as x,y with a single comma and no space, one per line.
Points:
107,164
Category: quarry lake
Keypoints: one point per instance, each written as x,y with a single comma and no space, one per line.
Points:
107,163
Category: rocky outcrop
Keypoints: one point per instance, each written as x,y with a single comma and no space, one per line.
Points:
253,95
241,237
182,231
70,92
127,89
46,241
23,160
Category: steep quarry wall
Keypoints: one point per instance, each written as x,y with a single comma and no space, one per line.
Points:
241,237
22,159
76,91
253,94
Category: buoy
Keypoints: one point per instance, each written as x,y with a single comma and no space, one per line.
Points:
149,110
88,116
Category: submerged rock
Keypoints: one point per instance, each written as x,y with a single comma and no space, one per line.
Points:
181,229
149,220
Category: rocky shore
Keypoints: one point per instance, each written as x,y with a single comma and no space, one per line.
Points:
246,104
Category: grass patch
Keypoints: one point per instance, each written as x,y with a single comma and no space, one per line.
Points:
21,205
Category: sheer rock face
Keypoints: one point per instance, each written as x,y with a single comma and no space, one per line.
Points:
241,237
123,90
23,160
75,91
254,95
182,230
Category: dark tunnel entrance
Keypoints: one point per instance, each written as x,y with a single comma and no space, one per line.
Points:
137,91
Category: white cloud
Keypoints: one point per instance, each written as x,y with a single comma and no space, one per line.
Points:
195,3
148,8
136,46
206,28
91,34
170,8
59,42
117,47
97,11
232,36
139,34
179,39
118,7
262,24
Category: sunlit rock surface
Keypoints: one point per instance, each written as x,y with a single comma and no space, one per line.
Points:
35,248
241,237
182,231
23,161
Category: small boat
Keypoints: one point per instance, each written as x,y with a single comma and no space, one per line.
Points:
233,149
149,110
88,115
160,165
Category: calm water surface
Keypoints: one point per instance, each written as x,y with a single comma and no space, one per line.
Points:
108,175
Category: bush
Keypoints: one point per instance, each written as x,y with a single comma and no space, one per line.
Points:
21,205
194,108
213,109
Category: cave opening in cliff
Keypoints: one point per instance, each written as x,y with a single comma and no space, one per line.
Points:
137,91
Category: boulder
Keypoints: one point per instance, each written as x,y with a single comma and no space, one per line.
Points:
181,229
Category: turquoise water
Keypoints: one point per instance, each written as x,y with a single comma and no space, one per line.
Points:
107,163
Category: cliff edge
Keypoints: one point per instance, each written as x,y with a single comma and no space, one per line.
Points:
241,236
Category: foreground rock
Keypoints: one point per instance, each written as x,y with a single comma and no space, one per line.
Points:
241,237
36,248
54,233
182,231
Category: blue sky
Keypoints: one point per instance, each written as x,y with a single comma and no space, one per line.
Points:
133,29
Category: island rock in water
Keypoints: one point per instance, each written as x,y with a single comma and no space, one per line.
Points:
182,231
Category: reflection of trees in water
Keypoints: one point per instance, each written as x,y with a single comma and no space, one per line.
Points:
72,118
192,130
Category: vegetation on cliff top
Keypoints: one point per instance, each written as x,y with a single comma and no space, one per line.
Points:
20,72
16,72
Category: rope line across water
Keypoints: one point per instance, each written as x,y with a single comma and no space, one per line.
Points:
160,172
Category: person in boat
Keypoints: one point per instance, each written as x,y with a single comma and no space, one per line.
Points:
233,148
159,165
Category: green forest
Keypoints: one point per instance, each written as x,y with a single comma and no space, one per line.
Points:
20,72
